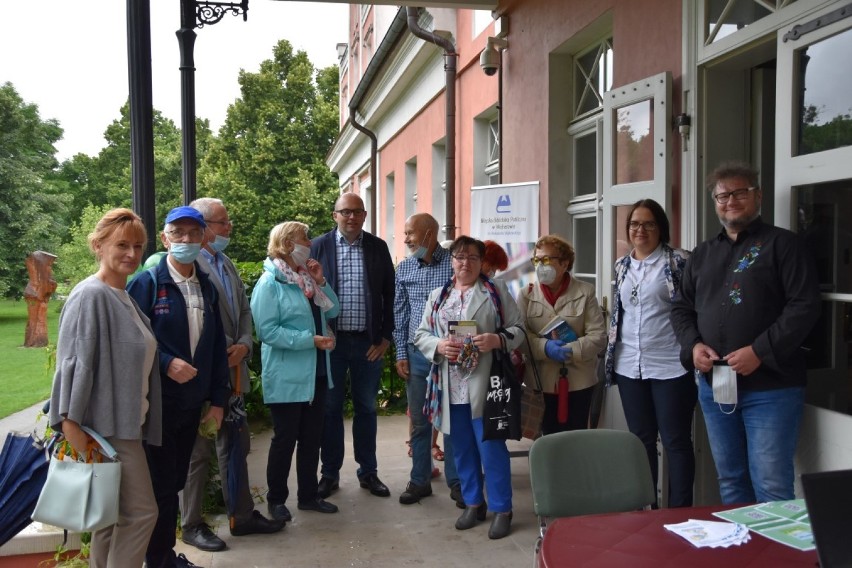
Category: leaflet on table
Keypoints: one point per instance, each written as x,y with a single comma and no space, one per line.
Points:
558,328
710,534
786,522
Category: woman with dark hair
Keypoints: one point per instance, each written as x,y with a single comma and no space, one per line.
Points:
463,369
107,379
643,355
558,295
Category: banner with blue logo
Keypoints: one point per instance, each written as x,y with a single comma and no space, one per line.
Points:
505,213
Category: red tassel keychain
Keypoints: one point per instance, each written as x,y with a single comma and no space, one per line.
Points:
562,396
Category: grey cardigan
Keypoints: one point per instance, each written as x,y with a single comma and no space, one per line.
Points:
98,349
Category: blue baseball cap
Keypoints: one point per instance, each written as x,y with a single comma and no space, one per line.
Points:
186,212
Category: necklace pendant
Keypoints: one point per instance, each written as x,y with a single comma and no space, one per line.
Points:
634,300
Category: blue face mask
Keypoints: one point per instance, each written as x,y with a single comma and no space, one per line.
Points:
185,253
220,243
421,251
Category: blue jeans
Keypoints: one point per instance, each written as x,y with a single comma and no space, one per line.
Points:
754,445
665,406
421,428
350,356
475,459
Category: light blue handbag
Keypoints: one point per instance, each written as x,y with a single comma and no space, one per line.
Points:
81,494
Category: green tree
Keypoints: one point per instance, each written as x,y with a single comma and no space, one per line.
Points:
30,205
78,262
103,181
267,162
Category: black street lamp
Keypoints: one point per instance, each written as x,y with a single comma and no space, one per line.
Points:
195,14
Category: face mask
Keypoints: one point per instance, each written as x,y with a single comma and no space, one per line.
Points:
185,253
220,243
421,250
724,384
300,254
546,274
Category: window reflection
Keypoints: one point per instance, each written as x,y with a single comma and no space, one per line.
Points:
634,142
825,95
823,211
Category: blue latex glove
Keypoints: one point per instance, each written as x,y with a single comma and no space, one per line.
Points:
557,350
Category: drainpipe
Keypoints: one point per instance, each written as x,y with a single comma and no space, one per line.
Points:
450,63
374,150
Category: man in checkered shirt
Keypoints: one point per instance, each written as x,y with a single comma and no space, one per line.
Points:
428,267
359,267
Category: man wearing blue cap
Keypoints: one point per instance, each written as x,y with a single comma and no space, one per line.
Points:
183,307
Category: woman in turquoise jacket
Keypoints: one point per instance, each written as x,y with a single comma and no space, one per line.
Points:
290,305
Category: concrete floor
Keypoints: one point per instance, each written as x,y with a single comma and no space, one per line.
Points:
368,531
378,532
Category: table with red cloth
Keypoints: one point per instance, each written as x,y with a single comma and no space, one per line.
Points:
639,540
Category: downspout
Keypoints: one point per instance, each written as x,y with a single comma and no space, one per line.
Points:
450,64
374,150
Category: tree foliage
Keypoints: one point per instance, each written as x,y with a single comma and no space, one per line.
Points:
267,162
29,203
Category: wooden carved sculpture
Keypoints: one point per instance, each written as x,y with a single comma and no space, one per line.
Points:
37,293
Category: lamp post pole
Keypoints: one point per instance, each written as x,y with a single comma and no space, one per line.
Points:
195,14
141,115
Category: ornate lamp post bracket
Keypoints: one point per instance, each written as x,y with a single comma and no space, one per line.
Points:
209,13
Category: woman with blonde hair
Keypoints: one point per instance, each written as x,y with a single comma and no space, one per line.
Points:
106,378
290,305
557,296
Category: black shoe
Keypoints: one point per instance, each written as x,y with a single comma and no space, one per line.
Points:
201,537
470,516
372,482
182,561
258,524
456,495
326,487
279,512
500,525
414,493
318,505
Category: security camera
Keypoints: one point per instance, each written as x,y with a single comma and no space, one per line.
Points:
489,59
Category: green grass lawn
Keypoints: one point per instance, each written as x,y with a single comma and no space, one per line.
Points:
24,374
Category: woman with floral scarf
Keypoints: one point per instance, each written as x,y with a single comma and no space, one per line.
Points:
290,305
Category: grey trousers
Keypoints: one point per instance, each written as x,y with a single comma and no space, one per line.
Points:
192,496
124,543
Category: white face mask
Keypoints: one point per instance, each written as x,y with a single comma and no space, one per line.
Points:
300,254
724,383
546,274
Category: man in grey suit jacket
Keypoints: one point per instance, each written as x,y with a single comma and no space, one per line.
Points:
237,323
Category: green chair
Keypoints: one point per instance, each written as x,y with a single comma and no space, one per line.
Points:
584,472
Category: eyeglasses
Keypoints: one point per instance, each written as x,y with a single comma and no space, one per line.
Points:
545,260
646,226
350,212
737,194
226,223
472,258
193,234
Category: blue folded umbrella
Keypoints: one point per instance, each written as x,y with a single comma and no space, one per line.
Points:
23,469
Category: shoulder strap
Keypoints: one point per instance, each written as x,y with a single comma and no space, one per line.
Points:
495,297
153,272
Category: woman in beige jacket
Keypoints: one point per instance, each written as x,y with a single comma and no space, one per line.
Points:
557,296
